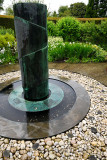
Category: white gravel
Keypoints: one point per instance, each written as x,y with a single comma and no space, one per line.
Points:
87,140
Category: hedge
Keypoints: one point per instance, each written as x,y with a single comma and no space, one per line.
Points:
7,21
55,19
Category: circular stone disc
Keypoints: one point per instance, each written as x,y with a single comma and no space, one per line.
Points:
67,105
17,101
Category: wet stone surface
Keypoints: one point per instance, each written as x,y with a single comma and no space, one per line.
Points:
67,100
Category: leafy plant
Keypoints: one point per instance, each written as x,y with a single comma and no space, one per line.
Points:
8,55
69,29
72,30
3,31
74,52
6,39
78,9
52,30
94,33
8,51
55,49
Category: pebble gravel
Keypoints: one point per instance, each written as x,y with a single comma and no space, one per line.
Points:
86,141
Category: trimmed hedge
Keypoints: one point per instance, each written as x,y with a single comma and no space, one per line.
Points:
7,21
55,19
6,16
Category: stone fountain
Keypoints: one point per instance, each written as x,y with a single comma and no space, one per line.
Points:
38,106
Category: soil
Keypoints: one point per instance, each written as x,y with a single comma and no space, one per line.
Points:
97,71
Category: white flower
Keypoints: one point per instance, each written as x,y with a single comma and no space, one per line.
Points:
3,50
8,44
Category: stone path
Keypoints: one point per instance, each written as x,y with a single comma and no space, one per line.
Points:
87,140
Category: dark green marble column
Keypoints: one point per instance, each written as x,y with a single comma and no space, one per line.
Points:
31,34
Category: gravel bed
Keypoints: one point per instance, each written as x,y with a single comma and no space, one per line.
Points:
87,140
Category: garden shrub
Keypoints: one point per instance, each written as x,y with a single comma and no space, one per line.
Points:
6,39
55,49
72,30
8,55
74,52
94,33
86,31
103,34
52,30
81,50
69,29
8,51
3,31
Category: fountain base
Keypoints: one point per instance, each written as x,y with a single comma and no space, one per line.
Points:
67,104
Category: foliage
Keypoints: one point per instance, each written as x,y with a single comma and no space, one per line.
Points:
90,12
96,8
7,22
1,2
53,19
66,13
94,33
55,48
49,14
8,52
52,29
5,39
69,29
103,8
103,33
63,11
74,52
88,30
78,9
3,31
9,11
54,14
97,20
8,55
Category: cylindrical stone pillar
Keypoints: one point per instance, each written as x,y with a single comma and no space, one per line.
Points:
31,34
